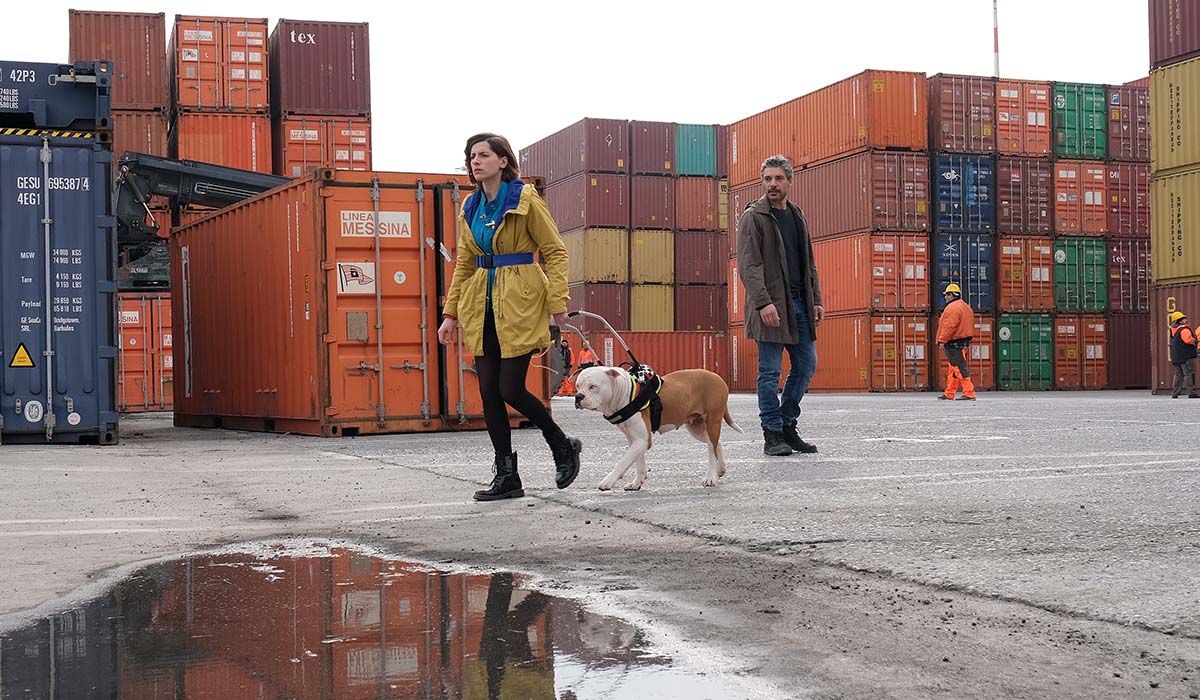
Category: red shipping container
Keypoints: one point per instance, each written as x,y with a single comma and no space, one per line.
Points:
320,68
218,63
1025,187
1023,119
652,147
589,145
590,200
879,352
145,363
696,204
1081,198
666,352
1129,123
1139,83
743,362
869,191
1129,279
737,298
1081,352
136,43
874,272
1174,31
653,202
1026,274
1167,299
303,144
739,199
723,151
1129,199
140,132
1129,351
980,356
608,300
700,258
701,307
233,140
962,113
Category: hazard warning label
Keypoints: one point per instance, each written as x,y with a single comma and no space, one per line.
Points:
21,357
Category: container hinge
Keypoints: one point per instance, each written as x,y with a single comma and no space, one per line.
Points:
420,191
409,367
462,412
375,190
73,78
50,423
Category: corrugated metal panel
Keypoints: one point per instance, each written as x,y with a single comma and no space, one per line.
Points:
737,298
1080,198
652,307
1025,352
666,351
1025,196
1023,118
595,145
652,148
218,63
869,191
320,68
881,352
141,132
701,257
1129,275
696,150
652,258
653,201
1080,275
608,300
590,200
739,199
1081,352
1129,199
696,204
1129,124
722,205
966,259
981,356
1169,298
701,307
233,140
136,43
1174,31
145,359
1139,83
874,272
1128,351
1175,116
303,144
962,113
1026,274
723,152
965,195
1080,121
1175,227
597,255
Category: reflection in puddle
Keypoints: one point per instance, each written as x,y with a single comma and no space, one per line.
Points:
333,624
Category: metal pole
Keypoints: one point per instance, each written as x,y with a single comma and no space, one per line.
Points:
996,34
47,222
381,409
425,359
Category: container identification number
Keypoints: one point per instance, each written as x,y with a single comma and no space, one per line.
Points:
19,75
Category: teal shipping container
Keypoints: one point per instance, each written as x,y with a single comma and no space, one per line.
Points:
696,150
1025,352
1081,275
1080,121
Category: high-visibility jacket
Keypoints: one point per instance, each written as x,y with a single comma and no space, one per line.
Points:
587,358
957,323
1183,344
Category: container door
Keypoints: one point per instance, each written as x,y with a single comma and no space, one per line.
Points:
164,355
135,382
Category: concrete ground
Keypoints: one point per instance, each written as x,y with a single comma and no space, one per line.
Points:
1025,545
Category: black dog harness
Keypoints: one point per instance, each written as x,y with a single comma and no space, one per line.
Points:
643,395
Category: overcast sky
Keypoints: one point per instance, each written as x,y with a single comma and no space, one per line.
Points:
442,71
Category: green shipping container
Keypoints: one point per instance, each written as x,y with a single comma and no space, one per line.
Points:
1081,275
1080,121
696,150
1025,343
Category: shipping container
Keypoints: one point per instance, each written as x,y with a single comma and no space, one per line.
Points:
1129,199
1026,274
652,201
1080,275
145,362
980,356
1025,191
1174,235
722,205
1129,124
737,298
652,259
874,109
1080,121
136,43
1023,118
962,113
233,140
304,143
1080,352
651,307
696,150
739,199
666,352
1080,198
320,68
697,206
723,151
58,354
651,148
590,200
700,257
1174,31
701,307
743,362
1174,110
965,194
965,259
589,145
1129,356
597,255
869,191
608,300
1024,352
1143,82
1129,278
140,132
881,352
874,272
218,63
1167,299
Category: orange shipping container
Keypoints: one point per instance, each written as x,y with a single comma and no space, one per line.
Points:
874,272
1080,198
1023,120
1081,352
218,63
739,199
980,357
303,144
743,362
737,297
878,352
233,140
664,351
146,364
696,206
869,191
140,132
1026,274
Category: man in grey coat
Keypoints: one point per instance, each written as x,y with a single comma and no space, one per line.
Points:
782,306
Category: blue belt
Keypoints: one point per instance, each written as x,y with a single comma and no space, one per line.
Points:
488,262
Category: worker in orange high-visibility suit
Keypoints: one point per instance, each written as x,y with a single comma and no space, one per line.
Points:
954,337
568,361
587,357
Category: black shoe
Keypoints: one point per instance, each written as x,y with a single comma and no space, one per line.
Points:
566,458
792,438
1194,396
775,445
506,483
943,397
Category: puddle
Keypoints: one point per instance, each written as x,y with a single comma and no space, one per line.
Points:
337,624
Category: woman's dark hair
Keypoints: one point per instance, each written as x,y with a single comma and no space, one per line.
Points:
500,147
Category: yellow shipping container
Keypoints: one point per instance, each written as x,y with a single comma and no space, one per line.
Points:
652,307
653,257
1175,116
723,204
1175,227
597,255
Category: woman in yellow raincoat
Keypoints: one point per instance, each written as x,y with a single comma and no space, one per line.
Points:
504,303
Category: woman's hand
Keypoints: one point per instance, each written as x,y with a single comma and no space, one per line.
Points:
446,331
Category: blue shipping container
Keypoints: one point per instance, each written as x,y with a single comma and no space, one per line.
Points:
57,255
966,258
965,193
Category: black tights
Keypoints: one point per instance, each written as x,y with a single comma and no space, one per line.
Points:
502,381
